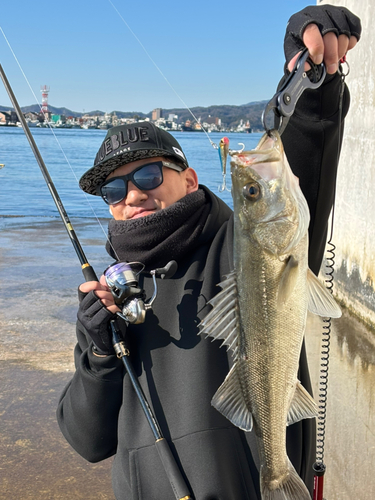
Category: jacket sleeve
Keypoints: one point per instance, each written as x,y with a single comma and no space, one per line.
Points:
89,405
312,142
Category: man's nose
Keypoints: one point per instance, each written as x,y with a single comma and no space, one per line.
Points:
135,195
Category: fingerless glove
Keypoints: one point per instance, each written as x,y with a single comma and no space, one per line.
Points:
95,317
328,18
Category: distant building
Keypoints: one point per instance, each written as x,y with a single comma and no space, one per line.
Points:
31,115
58,118
4,117
213,120
7,117
157,113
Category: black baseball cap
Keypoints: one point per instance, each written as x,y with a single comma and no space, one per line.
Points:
127,143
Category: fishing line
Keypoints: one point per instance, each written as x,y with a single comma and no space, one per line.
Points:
215,146
58,142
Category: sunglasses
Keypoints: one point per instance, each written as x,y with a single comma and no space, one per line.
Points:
146,177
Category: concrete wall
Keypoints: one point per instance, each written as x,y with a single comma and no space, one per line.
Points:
354,229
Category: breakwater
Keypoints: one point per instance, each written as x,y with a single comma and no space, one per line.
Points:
354,229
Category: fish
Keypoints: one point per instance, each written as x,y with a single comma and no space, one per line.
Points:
260,312
223,155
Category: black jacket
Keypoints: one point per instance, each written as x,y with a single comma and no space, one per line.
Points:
179,371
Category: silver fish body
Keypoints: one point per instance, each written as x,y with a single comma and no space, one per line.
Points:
261,311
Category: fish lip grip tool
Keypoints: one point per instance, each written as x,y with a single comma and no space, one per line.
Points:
283,103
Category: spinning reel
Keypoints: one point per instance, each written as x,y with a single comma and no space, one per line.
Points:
122,279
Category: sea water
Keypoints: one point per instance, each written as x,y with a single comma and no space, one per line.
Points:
68,153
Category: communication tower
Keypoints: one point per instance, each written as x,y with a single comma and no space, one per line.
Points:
44,90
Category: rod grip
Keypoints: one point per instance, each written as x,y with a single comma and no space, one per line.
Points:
178,484
89,273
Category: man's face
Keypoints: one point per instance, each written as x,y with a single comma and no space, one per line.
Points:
140,203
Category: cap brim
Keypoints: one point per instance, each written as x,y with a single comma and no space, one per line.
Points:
91,179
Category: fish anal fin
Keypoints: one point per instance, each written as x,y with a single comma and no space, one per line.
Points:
229,401
320,300
302,405
288,281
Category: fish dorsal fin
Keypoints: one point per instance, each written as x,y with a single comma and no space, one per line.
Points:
222,322
320,300
229,401
302,405
288,281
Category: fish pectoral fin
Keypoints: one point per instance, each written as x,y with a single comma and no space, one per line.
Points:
320,300
230,402
222,322
288,281
302,405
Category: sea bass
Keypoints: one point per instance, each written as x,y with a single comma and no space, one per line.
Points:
260,314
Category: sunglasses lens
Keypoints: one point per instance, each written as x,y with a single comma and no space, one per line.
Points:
145,178
114,191
149,177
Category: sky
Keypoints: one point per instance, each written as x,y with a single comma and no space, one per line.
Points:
141,54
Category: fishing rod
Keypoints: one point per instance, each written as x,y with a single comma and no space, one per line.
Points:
123,280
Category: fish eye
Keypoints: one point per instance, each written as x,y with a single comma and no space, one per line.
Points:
252,191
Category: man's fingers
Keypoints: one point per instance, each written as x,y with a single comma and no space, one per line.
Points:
113,308
103,282
90,285
107,300
102,292
314,43
106,296
329,48
352,42
343,44
331,56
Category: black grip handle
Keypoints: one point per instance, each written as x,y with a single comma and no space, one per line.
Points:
178,484
89,273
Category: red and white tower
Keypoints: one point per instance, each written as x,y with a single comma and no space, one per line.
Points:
44,90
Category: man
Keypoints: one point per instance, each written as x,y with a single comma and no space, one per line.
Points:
161,213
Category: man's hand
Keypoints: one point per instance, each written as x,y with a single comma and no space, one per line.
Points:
327,31
102,292
96,309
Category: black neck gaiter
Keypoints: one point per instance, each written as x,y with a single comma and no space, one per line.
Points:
155,239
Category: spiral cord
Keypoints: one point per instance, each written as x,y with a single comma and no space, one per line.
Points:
319,466
324,360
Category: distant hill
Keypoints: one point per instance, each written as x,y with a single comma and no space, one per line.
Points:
34,108
230,115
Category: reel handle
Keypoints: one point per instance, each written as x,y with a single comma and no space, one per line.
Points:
167,271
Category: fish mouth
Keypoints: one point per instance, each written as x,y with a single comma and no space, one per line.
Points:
282,218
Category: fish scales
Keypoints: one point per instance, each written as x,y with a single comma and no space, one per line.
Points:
271,290
271,353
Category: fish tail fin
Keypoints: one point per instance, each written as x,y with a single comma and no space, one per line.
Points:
291,487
